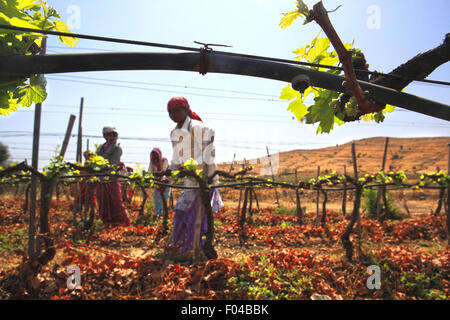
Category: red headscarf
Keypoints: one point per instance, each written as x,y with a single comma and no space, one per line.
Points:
176,102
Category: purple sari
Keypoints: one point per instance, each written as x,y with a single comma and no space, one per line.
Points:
184,219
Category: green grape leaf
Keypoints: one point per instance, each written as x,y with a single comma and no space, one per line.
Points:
322,44
288,93
62,27
14,21
302,7
289,18
322,111
9,10
27,5
329,60
7,105
301,52
389,108
38,80
298,108
30,94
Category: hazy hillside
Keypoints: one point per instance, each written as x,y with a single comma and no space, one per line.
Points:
412,155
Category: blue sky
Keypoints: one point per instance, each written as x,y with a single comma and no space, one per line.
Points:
245,112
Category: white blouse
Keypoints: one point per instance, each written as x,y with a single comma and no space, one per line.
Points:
193,140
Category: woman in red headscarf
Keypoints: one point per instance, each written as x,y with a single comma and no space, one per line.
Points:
159,164
190,139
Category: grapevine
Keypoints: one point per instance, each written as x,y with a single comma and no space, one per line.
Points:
18,92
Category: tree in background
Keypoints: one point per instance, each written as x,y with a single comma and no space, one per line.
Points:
4,155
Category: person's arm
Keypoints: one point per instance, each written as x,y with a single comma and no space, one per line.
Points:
209,153
176,144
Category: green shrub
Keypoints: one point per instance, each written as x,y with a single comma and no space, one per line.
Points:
369,205
284,210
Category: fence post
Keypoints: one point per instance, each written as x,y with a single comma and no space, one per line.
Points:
440,198
317,198
197,226
324,207
165,216
347,244
34,163
448,197
297,198
67,136
80,133
256,199
273,177
357,199
250,205
242,233
344,200
240,189
382,189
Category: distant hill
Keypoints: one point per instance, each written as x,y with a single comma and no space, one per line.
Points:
412,155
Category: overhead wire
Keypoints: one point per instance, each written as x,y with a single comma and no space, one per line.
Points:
165,85
185,48
161,90
293,122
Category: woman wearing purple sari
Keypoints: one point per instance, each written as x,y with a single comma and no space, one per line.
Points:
190,139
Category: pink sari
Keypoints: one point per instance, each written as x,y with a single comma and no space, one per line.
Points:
109,197
110,206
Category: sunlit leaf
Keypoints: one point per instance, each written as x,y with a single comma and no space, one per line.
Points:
32,94
298,108
288,93
289,18
62,27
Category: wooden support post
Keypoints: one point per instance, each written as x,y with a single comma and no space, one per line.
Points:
256,199
344,199
242,233
240,189
144,200
165,216
225,191
273,177
197,227
250,195
34,163
317,198
298,204
357,199
231,164
347,244
80,133
67,136
448,198
382,189
324,208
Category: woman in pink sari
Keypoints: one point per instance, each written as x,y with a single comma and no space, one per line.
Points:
159,164
109,195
